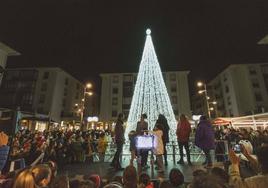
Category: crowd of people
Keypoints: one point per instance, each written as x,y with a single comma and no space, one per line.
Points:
45,176
62,147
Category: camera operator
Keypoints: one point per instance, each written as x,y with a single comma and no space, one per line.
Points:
142,128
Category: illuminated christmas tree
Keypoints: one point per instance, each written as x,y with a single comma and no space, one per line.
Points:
150,93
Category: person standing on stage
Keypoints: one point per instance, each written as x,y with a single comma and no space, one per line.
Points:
119,141
142,128
159,146
165,128
205,139
183,133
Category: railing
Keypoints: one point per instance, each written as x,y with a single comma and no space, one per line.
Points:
172,150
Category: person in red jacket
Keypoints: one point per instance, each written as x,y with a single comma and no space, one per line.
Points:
183,133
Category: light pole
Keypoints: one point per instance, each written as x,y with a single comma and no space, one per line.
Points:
82,109
215,107
200,84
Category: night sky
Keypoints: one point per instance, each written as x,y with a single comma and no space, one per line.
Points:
86,37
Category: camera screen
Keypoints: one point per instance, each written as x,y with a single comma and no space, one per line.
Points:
144,142
237,148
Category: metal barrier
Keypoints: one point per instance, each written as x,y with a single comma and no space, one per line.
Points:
172,150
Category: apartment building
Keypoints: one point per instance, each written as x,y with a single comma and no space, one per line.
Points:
241,89
5,52
117,91
50,91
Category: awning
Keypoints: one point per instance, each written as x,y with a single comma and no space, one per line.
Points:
33,118
221,121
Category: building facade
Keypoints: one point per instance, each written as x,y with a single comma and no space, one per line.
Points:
5,51
117,91
50,91
241,89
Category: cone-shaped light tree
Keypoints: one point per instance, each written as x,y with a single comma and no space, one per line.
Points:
150,93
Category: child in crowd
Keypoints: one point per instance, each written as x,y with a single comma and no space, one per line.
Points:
132,134
176,178
102,146
145,181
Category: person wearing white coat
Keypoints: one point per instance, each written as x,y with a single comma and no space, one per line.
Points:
158,147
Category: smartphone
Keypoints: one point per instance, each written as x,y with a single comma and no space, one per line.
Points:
237,148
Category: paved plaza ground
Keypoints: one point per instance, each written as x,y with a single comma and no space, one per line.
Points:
106,172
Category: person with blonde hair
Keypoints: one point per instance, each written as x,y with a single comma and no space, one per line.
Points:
102,146
24,179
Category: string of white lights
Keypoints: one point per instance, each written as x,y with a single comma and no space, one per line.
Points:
150,92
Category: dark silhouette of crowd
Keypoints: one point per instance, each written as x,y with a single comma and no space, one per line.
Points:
63,147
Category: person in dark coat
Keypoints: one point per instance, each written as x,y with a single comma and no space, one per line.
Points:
165,128
205,139
183,133
119,141
142,128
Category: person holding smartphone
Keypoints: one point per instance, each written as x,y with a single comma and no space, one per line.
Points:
258,181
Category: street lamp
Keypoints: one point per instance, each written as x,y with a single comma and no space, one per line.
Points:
88,85
200,84
215,108
90,93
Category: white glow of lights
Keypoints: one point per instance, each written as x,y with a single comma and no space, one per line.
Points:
92,119
150,93
148,31
196,117
95,118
